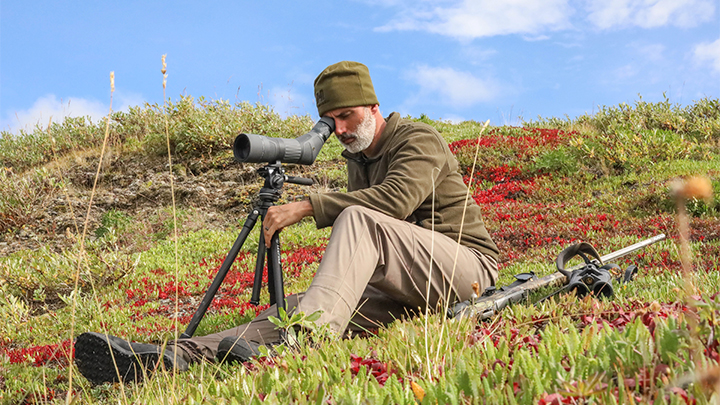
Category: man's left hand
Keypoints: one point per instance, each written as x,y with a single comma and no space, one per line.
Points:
280,216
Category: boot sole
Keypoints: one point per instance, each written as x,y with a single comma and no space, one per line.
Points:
224,356
231,351
95,362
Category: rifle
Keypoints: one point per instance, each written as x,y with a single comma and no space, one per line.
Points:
591,277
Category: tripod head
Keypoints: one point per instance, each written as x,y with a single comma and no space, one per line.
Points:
275,178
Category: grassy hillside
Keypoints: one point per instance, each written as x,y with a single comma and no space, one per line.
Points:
89,241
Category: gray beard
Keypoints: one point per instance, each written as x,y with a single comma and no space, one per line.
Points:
364,134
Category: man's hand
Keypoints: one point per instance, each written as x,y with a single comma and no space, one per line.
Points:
280,216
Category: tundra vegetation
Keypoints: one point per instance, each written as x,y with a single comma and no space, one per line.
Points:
91,241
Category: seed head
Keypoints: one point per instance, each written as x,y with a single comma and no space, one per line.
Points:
696,187
476,288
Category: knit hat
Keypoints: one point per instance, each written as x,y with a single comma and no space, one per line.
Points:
344,84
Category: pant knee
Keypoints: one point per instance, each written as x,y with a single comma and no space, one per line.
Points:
354,213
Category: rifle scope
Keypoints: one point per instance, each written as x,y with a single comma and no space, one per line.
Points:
251,148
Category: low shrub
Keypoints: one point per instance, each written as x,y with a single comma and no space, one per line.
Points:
22,196
205,127
196,128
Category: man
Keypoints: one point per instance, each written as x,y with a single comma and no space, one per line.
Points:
394,246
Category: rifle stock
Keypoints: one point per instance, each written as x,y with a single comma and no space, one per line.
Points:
486,307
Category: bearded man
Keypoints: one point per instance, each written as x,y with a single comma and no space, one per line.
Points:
404,238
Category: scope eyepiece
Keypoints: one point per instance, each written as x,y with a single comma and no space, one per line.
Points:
251,148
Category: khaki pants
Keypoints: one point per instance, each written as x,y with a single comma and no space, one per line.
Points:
375,269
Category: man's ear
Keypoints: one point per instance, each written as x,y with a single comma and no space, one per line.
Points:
374,108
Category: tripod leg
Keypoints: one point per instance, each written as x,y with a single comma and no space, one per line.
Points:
259,266
224,268
275,276
271,278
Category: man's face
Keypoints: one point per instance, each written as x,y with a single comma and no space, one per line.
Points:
354,127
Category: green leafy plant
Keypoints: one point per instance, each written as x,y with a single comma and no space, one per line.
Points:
557,161
296,323
112,222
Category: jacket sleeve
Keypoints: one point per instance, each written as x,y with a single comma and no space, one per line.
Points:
417,163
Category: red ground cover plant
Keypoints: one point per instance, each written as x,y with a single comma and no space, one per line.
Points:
239,280
57,354
378,369
524,142
522,218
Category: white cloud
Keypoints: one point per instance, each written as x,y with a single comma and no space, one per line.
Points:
49,107
649,52
457,88
626,72
708,52
477,55
606,14
644,63
286,101
470,19
534,19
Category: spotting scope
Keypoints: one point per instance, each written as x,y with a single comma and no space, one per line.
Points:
251,148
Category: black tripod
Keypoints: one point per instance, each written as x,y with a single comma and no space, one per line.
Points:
271,191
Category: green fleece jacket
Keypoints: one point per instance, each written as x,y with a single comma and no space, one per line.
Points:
413,158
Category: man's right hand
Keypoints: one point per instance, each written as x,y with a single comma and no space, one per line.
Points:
280,216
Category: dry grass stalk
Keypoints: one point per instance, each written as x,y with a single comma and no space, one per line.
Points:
462,223
81,254
175,232
698,188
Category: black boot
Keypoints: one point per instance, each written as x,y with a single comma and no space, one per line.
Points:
128,362
236,349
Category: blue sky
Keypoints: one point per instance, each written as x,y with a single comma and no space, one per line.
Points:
448,59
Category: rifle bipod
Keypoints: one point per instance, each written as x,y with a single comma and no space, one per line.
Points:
268,195
593,277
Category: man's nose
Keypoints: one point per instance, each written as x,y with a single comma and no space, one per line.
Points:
340,128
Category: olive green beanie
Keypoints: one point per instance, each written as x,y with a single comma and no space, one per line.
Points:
344,84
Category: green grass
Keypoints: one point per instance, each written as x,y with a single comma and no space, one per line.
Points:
602,178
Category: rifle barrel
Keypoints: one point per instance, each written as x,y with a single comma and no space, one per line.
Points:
632,248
